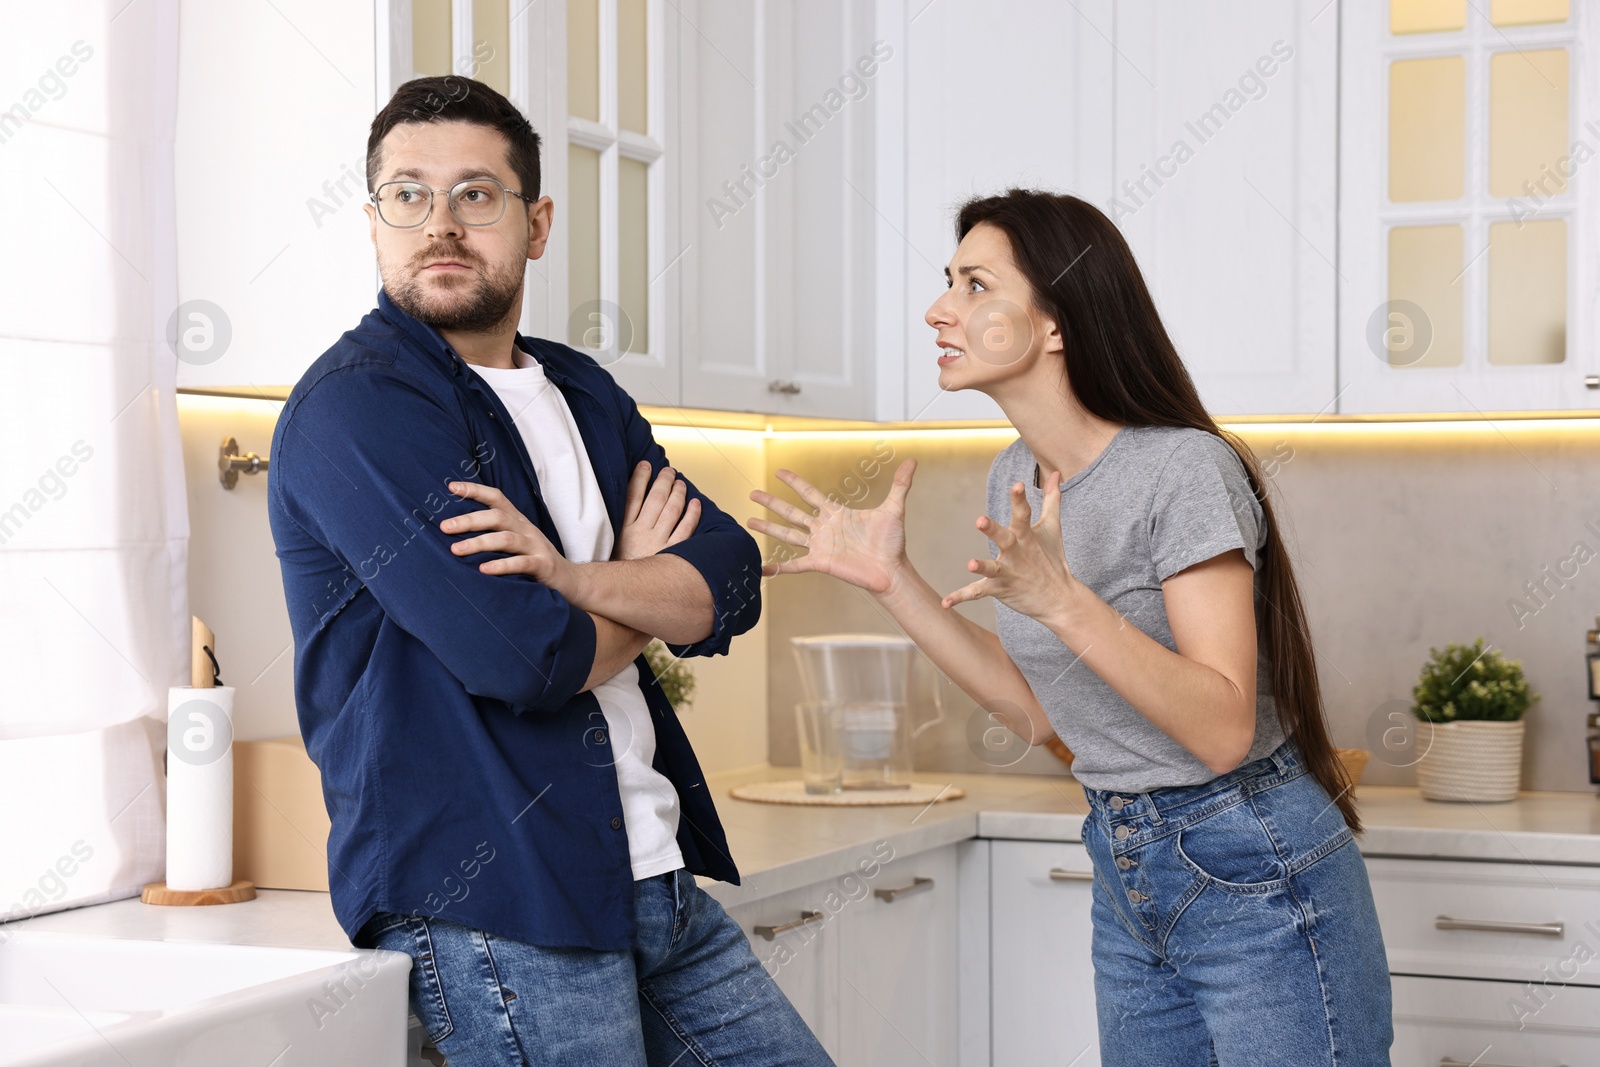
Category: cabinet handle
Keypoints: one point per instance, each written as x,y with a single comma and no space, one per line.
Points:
806,916
1444,922
889,896
1591,381
1450,1061
779,386
1059,874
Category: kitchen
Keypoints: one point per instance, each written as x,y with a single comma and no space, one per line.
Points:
1361,223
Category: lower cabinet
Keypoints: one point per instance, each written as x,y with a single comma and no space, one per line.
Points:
1041,975
1460,1021
869,959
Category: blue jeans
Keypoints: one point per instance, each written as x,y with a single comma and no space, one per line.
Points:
1234,925
689,992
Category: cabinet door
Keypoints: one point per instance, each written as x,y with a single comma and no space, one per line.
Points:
778,294
1494,1024
801,954
994,96
1467,207
1226,138
1042,977
898,966
279,275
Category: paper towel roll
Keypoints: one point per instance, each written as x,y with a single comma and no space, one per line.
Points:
199,787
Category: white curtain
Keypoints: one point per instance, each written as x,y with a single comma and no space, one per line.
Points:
94,528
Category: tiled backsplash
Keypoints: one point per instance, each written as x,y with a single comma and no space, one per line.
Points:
1404,537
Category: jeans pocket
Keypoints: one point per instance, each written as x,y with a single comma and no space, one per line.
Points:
411,936
1233,849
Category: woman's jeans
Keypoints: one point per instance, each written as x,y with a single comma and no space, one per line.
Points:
1234,925
690,991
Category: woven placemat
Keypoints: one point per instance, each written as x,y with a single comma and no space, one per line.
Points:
794,792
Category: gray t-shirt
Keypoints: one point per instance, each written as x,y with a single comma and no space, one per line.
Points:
1156,500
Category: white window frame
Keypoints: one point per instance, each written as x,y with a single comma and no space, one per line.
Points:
1367,384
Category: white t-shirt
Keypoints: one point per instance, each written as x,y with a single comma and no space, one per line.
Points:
572,494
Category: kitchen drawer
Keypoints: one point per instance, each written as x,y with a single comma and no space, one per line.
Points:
1441,1021
1526,903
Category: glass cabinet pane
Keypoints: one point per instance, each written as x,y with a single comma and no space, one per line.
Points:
583,248
632,66
430,37
1527,121
633,233
1523,12
1528,292
1425,269
583,59
490,55
1426,16
1427,128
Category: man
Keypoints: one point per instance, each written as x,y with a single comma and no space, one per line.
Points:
478,536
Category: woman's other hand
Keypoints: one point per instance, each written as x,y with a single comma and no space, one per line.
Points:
654,519
1030,575
863,546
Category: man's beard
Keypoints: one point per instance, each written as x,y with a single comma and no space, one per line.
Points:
490,296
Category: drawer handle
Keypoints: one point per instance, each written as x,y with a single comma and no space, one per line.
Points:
1449,1061
1444,922
1059,874
806,917
889,896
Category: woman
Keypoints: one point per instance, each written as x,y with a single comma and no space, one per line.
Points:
1149,617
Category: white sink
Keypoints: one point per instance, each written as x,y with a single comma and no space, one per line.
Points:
119,1002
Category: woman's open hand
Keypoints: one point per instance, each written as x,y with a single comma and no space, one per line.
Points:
502,528
862,546
655,519
1030,575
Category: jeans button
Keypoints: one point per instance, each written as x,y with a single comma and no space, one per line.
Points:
1122,833
1135,896
1118,803
1123,863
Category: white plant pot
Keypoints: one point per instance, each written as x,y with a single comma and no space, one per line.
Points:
1472,761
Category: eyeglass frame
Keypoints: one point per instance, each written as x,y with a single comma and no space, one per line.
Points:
449,200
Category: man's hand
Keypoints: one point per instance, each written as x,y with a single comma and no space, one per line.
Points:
653,520
505,529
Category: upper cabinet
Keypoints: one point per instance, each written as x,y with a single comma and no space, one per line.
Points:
1467,206
1224,174
826,191
266,285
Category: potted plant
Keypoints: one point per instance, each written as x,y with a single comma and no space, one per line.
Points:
1473,701
672,674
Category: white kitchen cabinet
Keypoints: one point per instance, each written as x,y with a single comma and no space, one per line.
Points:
795,936
898,996
1468,269
1456,1023
1042,976
870,959
1513,921
979,98
777,218
1225,187
267,282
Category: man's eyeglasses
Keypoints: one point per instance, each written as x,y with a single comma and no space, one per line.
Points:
475,202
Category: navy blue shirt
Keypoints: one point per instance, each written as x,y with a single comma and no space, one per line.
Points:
465,775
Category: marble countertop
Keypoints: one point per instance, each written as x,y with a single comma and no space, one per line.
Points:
780,847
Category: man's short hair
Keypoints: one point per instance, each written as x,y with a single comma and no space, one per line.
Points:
451,98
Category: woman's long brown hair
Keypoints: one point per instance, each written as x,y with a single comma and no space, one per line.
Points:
1122,366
